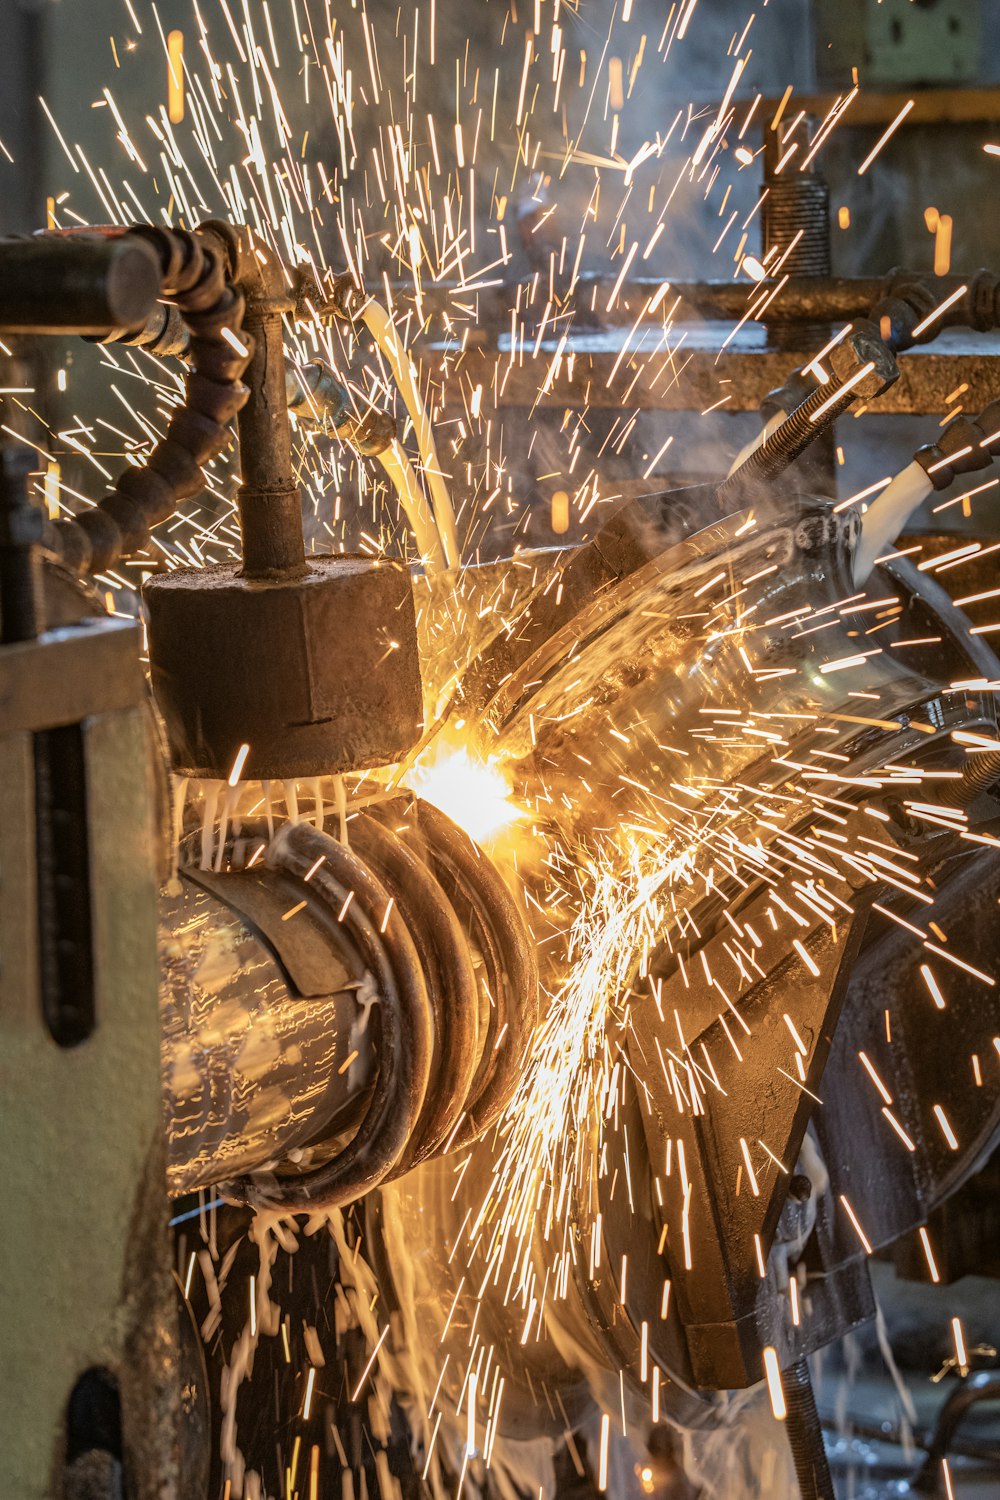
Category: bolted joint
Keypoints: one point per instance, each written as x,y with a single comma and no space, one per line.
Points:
864,363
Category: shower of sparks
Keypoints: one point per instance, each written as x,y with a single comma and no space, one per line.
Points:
429,177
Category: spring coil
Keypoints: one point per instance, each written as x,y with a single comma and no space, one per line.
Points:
416,897
194,277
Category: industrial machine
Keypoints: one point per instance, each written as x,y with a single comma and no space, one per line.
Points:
548,1171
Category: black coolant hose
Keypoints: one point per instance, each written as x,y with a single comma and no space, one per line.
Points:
194,278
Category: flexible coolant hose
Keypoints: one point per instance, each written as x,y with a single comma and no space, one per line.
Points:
414,504
885,517
383,331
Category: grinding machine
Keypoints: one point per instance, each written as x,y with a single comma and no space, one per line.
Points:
222,976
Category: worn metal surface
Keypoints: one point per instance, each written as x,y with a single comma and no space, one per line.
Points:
317,675
728,1309
927,1061
86,1267
254,1066
268,497
92,667
81,284
687,378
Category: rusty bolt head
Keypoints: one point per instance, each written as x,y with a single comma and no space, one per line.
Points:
318,674
857,352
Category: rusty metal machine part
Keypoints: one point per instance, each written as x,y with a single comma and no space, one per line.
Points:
317,672
312,664
79,1018
265,1044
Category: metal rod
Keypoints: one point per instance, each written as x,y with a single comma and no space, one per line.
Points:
83,284
268,498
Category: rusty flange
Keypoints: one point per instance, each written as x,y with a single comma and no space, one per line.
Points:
318,674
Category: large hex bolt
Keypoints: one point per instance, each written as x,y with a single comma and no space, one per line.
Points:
318,674
863,367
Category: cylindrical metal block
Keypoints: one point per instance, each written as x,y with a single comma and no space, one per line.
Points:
318,674
81,284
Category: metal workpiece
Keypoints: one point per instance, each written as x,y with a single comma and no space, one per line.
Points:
317,674
614,646
728,1309
266,1038
334,1014
76,284
893,1189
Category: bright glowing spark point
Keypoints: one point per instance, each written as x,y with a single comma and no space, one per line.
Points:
857,1227
233,342
307,1403
939,311
470,1437
946,1129
473,792
374,1355
929,1253
933,986
775,1389
885,137
238,764
961,1354
175,77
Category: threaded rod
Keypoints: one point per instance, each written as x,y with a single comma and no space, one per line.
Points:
805,1435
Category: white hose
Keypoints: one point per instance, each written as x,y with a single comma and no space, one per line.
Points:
414,503
885,518
384,332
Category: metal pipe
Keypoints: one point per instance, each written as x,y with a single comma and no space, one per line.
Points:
85,284
268,497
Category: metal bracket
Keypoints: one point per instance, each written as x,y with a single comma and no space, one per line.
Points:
764,989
